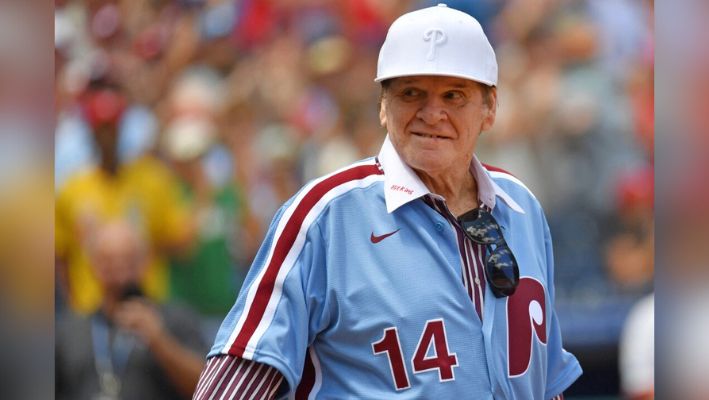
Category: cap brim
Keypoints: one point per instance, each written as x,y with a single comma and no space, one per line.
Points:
484,82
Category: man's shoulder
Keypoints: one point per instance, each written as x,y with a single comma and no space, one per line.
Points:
493,168
515,188
505,178
508,181
324,190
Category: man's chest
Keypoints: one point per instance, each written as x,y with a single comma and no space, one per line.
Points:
400,307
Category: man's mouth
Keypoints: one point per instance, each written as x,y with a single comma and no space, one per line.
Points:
429,136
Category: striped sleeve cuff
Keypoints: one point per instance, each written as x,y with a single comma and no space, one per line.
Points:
230,377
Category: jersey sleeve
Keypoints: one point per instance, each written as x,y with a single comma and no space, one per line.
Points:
562,367
280,308
226,376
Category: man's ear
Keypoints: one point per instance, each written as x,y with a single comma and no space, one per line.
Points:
491,113
382,114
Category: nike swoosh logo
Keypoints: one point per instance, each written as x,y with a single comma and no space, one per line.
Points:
377,239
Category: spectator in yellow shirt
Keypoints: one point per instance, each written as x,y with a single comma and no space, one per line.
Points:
143,191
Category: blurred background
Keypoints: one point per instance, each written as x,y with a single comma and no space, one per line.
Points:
193,120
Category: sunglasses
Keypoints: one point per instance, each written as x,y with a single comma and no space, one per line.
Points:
500,265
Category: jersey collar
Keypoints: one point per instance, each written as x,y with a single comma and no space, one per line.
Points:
402,185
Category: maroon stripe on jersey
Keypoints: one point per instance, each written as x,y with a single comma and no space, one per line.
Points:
470,254
237,378
225,378
441,209
235,381
496,169
475,278
284,244
467,279
307,381
258,382
232,386
204,370
274,384
204,376
261,392
468,250
248,380
213,376
466,257
255,382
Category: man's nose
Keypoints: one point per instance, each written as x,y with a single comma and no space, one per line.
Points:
432,111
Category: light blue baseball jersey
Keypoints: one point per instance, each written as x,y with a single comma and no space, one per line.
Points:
356,293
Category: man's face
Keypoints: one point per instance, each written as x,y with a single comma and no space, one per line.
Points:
116,257
434,121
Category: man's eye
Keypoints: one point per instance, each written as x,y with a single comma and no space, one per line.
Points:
411,93
454,95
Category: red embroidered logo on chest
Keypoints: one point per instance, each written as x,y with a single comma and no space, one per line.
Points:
399,188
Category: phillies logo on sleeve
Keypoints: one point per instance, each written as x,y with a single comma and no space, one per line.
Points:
526,319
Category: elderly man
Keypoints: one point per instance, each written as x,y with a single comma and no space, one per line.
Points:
130,348
418,274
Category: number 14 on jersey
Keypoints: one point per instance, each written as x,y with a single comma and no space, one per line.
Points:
433,335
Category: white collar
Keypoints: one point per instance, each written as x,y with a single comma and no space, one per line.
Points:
402,185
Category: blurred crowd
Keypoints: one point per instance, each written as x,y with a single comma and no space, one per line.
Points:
193,120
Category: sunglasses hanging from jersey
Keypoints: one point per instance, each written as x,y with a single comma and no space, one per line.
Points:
500,264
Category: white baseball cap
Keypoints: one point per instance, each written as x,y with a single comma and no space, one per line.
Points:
437,41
